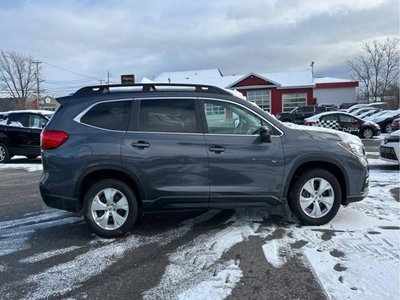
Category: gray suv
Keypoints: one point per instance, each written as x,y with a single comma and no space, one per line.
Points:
112,152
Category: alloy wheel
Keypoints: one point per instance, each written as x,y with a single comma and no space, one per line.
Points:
317,197
109,209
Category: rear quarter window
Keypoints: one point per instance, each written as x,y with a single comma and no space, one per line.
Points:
113,115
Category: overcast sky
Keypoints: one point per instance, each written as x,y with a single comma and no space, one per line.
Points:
90,37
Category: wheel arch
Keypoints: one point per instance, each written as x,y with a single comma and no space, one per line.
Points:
109,173
305,166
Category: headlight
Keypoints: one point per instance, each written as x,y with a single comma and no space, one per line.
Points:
353,148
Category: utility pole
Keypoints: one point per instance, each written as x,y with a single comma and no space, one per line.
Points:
312,70
37,74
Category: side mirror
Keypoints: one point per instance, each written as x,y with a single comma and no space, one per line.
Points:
265,134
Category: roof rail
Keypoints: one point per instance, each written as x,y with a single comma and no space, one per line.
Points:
149,87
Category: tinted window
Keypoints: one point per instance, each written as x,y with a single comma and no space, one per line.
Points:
17,120
233,120
36,121
329,118
167,115
109,115
305,109
347,119
321,109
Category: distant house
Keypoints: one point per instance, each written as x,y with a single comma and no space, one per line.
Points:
273,92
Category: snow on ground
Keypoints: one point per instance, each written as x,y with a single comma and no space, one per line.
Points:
21,163
355,256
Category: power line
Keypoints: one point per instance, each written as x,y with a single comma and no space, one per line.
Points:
69,71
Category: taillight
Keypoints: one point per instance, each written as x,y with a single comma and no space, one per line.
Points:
310,123
51,139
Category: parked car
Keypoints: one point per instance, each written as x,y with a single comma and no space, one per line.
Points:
390,147
355,107
373,116
345,122
347,105
385,120
112,152
395,124
20,133
368,113
298,114
362,110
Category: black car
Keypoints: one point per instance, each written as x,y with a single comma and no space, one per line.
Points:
112,152
20,133
300,113
345,122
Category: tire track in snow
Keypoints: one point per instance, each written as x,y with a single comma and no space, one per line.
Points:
195,270
65,277
14,234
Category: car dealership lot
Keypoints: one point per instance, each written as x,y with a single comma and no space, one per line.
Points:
247,253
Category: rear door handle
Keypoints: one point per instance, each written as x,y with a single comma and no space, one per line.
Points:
141,144
217,149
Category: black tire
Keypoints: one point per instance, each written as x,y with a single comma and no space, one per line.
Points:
31,156
367,133
387,127
4,154
295,203
129,216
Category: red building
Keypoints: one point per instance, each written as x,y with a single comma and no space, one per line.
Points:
273,92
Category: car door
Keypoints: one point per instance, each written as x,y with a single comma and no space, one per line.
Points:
243,170
36,123
329,121
349,123
165,149
302,113
17,132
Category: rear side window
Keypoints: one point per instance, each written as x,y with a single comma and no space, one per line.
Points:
329,118
109,115
167,115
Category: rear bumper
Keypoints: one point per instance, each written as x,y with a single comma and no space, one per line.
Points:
60,202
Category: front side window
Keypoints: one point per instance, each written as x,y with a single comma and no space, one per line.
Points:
236,120
112,115
291,101
168,115
262,98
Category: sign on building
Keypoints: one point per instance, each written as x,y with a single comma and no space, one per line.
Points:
128,79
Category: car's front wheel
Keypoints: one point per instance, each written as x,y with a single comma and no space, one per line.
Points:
110,208
315,198
367,133
4,154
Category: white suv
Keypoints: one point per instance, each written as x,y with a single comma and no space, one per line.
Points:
390,147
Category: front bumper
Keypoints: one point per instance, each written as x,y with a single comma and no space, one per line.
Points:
60,202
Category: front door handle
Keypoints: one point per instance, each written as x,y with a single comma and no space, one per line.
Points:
217,149
141,144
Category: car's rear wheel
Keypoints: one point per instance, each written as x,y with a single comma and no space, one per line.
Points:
4,154
110,208
367,133
315,198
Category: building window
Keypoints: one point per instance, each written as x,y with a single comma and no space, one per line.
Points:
291,101
261,98
213,110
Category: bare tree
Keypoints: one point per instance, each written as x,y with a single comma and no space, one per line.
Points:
377,68
17,76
